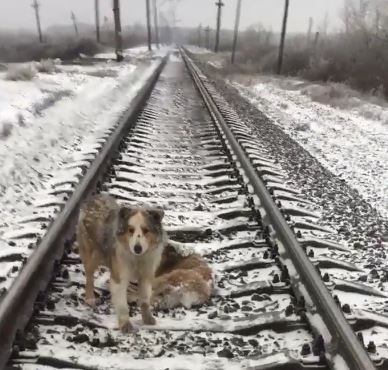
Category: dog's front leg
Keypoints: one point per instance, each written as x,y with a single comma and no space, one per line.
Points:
119,299
145,292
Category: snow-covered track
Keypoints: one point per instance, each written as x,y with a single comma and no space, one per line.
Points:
265,313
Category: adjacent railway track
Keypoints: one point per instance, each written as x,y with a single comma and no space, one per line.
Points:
180,146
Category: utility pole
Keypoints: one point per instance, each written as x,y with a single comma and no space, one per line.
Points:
148,24
97,10
310,29
156,26
236,26
377,21
219,4
36,6
200,35
118,35
74,19
316,41
283,37
207,37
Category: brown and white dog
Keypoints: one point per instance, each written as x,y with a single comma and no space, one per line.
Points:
182,280
130,242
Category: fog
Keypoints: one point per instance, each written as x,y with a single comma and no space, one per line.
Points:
19,14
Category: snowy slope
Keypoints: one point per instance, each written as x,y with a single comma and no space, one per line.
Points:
54,118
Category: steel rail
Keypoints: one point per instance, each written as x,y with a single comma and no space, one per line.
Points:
342,346
16,308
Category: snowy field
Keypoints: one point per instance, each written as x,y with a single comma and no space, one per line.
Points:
49,122
347,134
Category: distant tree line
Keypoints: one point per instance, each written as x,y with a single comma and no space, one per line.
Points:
357,53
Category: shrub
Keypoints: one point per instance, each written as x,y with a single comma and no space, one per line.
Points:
65,49
5,130
24,72
46,66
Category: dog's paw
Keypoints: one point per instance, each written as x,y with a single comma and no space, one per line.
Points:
127,328
91,302
149,320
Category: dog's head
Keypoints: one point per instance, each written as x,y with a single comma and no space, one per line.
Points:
140,229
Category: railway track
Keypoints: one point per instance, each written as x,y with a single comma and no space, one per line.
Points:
182,147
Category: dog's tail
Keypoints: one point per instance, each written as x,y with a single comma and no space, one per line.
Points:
181,287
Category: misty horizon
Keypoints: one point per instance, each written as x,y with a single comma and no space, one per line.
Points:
20,16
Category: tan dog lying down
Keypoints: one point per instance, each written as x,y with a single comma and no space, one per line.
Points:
181,280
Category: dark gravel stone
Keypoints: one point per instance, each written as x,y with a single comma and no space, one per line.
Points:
212,315
306,350
253,342
227,353
237,341
257,297
246,308
80,338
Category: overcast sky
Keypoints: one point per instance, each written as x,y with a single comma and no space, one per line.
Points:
19,14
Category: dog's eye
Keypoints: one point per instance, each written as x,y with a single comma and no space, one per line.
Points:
131,229
145,230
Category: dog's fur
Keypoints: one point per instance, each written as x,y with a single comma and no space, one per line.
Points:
182,280
130,242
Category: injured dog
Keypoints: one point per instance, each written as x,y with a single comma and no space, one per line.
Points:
130,242
181,280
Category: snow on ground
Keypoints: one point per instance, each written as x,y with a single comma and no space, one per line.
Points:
49,120
350,139
197,50
137,52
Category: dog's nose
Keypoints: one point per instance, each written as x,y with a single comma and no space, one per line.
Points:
137,248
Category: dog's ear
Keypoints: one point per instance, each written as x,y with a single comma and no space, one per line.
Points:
123,216
156,214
